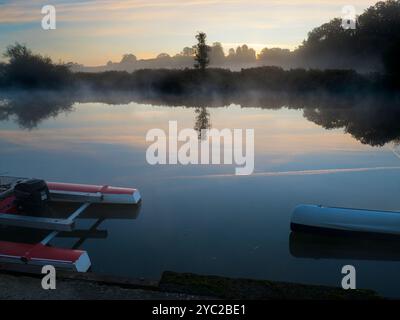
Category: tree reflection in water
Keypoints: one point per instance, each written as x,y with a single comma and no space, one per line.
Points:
202,122
372,119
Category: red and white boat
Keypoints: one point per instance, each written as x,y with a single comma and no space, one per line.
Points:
101,194
22,205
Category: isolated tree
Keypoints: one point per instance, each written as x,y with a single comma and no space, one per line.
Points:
202,50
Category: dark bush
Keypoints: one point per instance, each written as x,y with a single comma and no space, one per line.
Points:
28,70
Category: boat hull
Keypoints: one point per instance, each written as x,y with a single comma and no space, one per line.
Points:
71,192
329,220
35,256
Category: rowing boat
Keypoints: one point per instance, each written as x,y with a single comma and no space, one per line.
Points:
345,221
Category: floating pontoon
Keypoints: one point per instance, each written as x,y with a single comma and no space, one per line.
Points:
23,203
330,220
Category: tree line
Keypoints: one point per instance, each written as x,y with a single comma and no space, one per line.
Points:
372,46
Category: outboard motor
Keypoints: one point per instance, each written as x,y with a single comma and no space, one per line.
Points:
31,196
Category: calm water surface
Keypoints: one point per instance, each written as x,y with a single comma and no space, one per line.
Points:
193,220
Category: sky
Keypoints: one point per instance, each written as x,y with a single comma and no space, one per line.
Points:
93,32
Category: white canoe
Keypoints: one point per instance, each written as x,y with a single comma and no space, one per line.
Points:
312,218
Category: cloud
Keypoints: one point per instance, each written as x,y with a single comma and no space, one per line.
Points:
103,10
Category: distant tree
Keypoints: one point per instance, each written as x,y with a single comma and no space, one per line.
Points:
217,55
128,58
275,56
188,52
231,53
202,52
243,54
246,54
163,56
273,53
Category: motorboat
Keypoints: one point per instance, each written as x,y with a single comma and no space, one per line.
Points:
24,203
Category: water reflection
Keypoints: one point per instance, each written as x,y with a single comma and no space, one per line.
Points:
100,213
97,213
302,245
370,119
102,142
29,109
202,121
